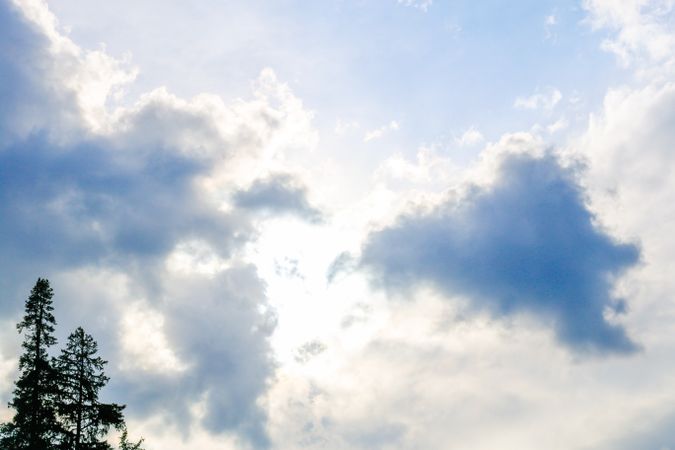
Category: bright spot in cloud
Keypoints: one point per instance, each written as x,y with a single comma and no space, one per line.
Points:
145,345
216,208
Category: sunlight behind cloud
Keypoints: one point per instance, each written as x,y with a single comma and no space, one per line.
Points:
288,236
144,342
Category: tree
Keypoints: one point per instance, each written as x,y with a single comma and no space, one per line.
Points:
34,425
85,420
126,445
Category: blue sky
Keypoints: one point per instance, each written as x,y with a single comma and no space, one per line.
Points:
439,72
392,224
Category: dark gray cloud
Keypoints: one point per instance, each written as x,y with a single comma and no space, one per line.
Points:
278,194
216,330
92,201
93,204
31,99
527,244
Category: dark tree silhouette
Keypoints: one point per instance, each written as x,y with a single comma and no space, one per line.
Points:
126,445
84,419
34,425
56,400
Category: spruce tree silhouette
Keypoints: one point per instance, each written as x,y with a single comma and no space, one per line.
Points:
56,400
126,445
85,420
34,425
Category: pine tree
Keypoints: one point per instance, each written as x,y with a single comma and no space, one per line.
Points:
84,419
34,425
126,445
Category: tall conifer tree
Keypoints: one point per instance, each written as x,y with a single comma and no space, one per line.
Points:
34,425
84,419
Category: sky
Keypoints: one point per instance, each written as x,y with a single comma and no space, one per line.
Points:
386,224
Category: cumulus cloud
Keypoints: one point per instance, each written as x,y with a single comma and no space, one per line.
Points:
113,205
628,146
528,243
22,106
218,333
277,194
91,203
43,71
643,31
140,214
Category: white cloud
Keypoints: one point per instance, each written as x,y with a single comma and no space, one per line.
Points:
81,82
470,138
423,5
379,132
438,363
430,168
627,150
545,100
557,126
550,22
644,32
144,342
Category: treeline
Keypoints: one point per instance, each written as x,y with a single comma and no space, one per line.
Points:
56,399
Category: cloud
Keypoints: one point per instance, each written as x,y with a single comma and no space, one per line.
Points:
309,350
24,97
379,132
431,166
657,435
422,5
526,244
643,32
544,100
558,125
92,203
550,22
277,194
628,147
344,262
44,71
107,203
470,137
217,332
